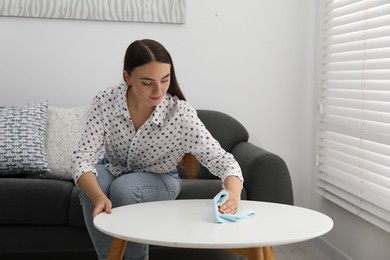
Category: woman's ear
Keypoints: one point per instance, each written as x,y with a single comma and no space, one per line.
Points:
127,77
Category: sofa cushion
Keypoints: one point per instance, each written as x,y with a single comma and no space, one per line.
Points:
44,242
22,139
76,217
64,129
34,201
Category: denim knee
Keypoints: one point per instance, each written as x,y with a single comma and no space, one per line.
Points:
143,187
122,193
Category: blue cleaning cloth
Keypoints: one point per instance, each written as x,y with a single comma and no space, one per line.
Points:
219,199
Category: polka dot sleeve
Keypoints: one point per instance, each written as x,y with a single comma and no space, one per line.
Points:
198,141
91,142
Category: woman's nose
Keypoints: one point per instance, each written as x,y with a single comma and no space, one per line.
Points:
158,88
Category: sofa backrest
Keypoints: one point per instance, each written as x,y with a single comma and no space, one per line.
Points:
225,129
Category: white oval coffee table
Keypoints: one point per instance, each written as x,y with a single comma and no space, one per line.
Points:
191,224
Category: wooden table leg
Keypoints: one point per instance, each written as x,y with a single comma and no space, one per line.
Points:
255,253
117,249
268,254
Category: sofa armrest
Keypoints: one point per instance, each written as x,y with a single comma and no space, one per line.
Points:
266,176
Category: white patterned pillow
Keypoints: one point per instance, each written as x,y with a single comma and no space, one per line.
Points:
22,139
64,129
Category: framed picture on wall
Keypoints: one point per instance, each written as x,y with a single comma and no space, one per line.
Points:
154,11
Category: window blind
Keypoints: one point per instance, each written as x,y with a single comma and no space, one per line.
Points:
353,158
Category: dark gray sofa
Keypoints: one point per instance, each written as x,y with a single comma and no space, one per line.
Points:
42,218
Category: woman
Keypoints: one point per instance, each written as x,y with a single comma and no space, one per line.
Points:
146,129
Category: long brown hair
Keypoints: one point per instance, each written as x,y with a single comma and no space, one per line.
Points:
141,52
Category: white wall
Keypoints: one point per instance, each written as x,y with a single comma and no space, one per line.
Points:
251,59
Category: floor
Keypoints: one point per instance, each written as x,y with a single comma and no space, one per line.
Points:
299,251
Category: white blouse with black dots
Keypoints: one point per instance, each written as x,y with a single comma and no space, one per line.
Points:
157,146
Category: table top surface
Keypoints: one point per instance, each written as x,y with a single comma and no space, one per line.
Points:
192,224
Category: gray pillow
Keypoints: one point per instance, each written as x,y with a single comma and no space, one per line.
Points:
22,139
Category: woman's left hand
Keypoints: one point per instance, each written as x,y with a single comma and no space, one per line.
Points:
231,204
233,187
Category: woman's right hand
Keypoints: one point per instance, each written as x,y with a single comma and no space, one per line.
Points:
88,183
102,204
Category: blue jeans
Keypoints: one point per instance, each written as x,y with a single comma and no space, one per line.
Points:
128,189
